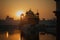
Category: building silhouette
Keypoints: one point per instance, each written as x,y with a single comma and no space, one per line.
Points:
29,31
30,25
57,13
30,18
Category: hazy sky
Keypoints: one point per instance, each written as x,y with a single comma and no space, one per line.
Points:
10,7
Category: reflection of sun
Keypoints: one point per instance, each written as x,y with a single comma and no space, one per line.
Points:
7,34
19,13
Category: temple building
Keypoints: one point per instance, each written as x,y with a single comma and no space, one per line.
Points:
30,18
27,25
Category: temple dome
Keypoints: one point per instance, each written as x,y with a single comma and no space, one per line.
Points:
30,12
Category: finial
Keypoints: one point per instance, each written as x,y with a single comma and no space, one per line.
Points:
30,9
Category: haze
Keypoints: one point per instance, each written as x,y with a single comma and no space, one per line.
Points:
44,7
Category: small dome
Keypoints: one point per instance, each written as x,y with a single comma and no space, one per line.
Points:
37,13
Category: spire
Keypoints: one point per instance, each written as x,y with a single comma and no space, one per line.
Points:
30,9
37,12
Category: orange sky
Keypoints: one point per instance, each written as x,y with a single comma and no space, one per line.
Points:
10,7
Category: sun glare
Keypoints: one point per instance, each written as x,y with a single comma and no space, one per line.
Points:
19,13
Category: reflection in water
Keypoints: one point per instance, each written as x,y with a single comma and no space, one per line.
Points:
47,37
19,38
7,34
16,35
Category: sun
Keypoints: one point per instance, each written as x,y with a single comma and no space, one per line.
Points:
19,13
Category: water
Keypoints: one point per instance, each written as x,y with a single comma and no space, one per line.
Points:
47,37
16,35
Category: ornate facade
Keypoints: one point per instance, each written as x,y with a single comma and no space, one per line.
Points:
30,18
